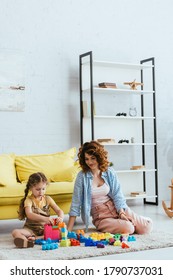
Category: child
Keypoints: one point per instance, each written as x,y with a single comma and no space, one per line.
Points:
35,208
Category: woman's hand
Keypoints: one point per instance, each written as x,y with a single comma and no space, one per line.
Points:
122,216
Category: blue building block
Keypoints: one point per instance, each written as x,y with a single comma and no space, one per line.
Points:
50,246
82,238
89,242
131,238
43,241
72,234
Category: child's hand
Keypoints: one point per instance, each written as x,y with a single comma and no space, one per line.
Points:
59,220
50,221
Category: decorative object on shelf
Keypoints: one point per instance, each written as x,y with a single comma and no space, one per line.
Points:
106,141
123,141
133,85
111,163
136,167
107,85
169,210
132,140
121,114
138,193
14,87
132,111
12,77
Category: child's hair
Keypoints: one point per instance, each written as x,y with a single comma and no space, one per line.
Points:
96,149
33,180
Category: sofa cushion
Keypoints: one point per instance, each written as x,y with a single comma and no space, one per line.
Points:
14,193
49,164
7,170
66,175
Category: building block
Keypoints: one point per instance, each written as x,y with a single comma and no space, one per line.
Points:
117,236
43,241
89,242
124,245
65,243
117,243
52,232
62,225
82,238
49,246
122,238
74,242
131,238
80,231
100,245
108,235
111,241
72,234
97,236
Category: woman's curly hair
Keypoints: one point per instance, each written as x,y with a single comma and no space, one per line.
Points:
33,180
96,149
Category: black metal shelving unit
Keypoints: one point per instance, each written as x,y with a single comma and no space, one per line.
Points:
90,62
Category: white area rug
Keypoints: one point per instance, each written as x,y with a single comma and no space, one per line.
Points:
154,240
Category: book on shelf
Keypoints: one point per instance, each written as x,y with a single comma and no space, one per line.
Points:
138,193
107,85
106,140
136,167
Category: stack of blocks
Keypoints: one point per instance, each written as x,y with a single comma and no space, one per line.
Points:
64,242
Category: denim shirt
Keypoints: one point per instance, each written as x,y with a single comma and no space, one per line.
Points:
81,200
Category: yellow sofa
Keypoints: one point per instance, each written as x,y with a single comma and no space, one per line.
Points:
60,169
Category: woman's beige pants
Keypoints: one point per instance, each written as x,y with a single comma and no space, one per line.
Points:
105,218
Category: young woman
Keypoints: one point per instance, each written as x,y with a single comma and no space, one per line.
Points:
97,192
35,208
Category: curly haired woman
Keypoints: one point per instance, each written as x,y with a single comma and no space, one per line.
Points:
97,192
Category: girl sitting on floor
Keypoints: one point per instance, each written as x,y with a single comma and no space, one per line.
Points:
35,208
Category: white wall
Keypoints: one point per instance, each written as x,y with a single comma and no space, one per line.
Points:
52,34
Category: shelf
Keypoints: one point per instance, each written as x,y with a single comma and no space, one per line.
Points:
118,91
129,144
123,118
140,196
119,65
136,170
